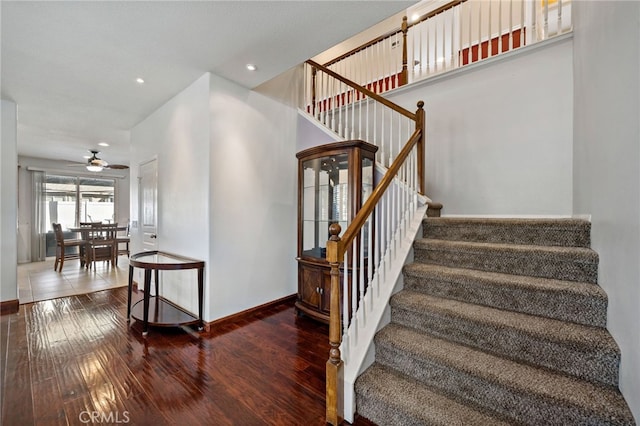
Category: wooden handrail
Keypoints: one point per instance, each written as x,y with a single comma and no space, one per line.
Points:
392,33
362,47
364,90
367,208
437,11
336,248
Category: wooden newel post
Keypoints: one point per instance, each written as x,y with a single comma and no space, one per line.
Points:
420,125
335,378
404,76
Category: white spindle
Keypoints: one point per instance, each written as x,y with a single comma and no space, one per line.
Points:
345,290
489,33
370,263
546,19
361,266
382,134
499,27
354,278
341,109
353,113
510,25
480,31
559,31
453,56
534,22
444,40
522,24
469,56
333,105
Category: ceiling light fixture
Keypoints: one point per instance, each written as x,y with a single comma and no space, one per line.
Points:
251,67
94,168
139,80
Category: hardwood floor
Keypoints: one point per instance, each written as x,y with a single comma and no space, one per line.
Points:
76,360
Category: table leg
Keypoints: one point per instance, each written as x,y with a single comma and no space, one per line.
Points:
129,293
200,296
147,290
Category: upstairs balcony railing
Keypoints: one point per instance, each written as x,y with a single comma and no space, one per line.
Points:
453,35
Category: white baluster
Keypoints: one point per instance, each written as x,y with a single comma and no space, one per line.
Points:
489,33
353,113
333,104
559,17
370,263
546,20
510,25
455,59
354,279
361,267
522,23
469,56
499,27
345,291
480,31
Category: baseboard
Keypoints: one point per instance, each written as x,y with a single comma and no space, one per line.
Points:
249,312
9,307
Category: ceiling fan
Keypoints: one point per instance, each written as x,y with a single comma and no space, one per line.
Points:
95,164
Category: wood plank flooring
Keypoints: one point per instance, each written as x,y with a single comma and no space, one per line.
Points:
76,360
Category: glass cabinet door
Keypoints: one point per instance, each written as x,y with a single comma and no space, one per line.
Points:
325,200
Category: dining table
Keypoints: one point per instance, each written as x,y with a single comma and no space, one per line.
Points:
87,231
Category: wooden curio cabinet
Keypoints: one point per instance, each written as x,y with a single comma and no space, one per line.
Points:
334,180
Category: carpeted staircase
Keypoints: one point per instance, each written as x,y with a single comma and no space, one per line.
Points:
501,321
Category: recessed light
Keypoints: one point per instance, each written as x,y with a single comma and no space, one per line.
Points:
103,144
139,80
251,67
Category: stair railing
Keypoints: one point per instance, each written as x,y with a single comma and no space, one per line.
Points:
450,36
369,242
354,112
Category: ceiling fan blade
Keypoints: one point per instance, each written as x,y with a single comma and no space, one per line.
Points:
117,166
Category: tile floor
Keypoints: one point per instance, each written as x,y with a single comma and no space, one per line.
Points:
38,281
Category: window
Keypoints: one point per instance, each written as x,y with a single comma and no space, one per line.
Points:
70,200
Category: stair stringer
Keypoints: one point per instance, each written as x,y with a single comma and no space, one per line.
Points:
357,348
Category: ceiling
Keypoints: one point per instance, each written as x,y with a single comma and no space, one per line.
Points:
71,66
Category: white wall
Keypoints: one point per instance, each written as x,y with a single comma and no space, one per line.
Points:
177,134
226,193
499,134
8,201
607,164
310,134
59,167
253,199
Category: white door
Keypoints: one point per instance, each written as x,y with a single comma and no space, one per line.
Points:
148,202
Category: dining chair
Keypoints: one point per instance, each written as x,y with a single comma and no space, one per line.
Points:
61,247
101,243
123,239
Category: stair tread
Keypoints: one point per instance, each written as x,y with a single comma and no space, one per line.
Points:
556,223
419,269
555,252
545,231
587,338
505,372
406,394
